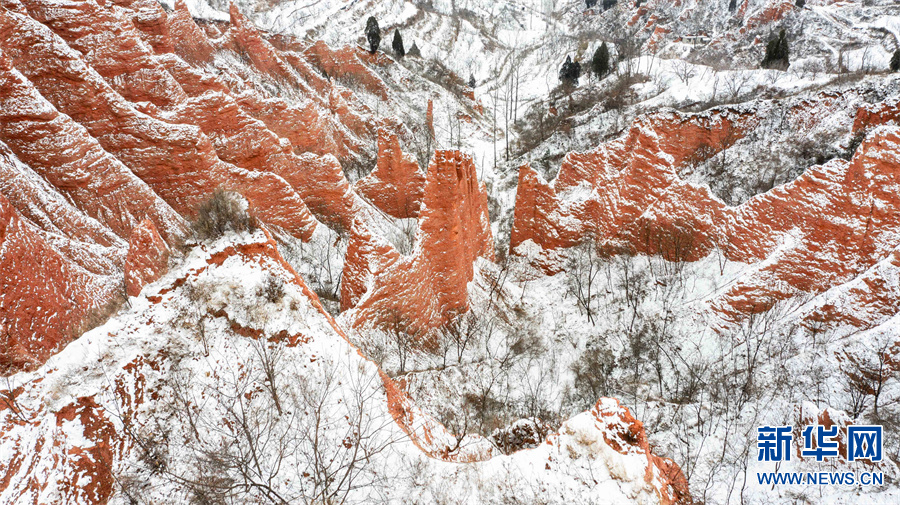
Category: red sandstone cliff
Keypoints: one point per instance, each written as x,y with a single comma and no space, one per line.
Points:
147,258
42,294
627,194
396,186
427,288
106,124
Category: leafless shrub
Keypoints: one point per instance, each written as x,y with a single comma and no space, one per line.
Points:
593,374
402,337
242,449
224,212
583,268
522,434
271,289
867,370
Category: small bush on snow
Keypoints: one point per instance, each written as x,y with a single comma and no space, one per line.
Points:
224,212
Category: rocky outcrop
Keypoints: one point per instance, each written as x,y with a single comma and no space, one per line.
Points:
111,45
627,195
188,40
872,115
65,155
346,62
366,257
73,233
45,299
626,435
624,190
105,126
147,259
177,161
426,289
396,186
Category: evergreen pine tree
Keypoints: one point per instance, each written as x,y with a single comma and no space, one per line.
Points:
777,53
800,3
373,34
600,61
471,81
397,44
414,51
895,61
732,5
783,49
590,3
570,72
565,69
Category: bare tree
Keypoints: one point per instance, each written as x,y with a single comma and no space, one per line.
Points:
867,370
237,447
684,70
583,269
402,338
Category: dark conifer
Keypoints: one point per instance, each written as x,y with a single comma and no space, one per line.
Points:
471,81
895,61
570,72
732,5
373,34
414,51
397,45
600,61
777,53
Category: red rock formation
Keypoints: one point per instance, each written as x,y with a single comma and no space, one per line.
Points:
40,289
627,194
147,259
626,435
772,13
111,45
366,256
63,153
346,62
426,289
623,191
73,233
322,184
188,40
263,55
870,116
310,128
150,19
177,160
396,186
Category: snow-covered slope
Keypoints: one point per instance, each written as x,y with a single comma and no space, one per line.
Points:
444,278
227,380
